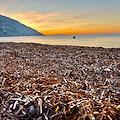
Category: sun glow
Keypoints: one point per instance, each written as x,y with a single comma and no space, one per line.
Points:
68,22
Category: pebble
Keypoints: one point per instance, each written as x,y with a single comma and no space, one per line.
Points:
107,69
27,60
31,109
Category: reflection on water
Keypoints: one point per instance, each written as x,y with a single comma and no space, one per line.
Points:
97,40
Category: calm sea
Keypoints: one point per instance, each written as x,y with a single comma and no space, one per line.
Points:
96,40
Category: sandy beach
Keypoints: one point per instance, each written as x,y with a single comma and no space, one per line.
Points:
53,82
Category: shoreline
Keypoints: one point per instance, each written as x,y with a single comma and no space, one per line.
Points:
39,81
36,43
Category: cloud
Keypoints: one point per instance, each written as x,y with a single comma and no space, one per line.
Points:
71,21
53,21
6,5
3,9
33,14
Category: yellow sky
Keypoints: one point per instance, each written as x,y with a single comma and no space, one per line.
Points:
75,22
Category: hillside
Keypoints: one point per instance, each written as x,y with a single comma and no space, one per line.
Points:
11,27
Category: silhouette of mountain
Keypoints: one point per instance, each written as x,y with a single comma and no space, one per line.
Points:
11,27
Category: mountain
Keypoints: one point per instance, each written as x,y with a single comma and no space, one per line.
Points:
11,27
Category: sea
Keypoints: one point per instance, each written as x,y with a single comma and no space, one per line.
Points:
92,40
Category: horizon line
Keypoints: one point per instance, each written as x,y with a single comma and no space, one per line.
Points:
85,34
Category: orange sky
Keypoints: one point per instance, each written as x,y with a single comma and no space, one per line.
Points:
69,23
65,17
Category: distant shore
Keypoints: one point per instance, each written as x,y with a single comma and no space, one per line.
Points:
39,81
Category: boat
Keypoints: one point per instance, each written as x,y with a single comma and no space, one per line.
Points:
74,37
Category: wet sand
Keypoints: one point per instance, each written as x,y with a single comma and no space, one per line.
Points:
41,82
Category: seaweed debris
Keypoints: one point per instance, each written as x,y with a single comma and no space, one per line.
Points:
44,82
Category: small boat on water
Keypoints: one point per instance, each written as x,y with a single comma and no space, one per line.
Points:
74,37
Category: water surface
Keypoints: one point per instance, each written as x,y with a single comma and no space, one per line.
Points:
96,40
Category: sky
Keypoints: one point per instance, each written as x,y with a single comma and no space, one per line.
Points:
52,17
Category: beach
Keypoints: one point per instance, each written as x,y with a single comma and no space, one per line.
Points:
59,82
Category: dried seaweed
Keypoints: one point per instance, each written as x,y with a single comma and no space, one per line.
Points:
44,82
